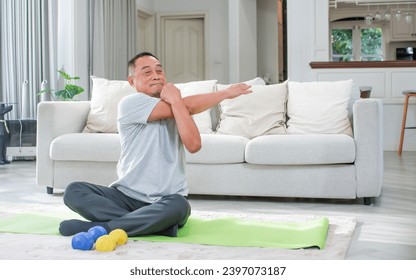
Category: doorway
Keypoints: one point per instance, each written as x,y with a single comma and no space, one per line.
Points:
146,31
182,47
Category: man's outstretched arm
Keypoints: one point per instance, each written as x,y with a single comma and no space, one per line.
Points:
200,102
172,105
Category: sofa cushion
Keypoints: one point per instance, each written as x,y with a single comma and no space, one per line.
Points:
219,149
203,119
257,81
106,94
86,147
215,110
297,149
261,112
319,107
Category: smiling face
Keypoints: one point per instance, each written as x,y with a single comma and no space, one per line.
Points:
147,76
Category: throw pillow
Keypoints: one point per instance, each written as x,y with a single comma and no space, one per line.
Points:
106,94
319,107
253,82
261,112
203,119
215,111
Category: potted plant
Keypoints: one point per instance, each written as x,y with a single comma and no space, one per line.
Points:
69,91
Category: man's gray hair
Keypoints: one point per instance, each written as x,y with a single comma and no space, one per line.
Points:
132,62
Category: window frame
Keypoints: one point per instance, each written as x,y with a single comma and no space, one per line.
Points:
356,27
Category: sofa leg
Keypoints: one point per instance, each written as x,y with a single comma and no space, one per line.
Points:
368,200
49,190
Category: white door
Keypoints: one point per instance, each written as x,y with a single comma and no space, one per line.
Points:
183,49
146,32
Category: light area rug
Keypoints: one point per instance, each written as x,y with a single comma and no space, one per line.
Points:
47,247
224,231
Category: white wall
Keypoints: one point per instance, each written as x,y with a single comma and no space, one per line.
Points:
72,41
267,40
146,5
242,40
65,34
307,39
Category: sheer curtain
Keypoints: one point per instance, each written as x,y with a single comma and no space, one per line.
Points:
29,48
113,25
24,54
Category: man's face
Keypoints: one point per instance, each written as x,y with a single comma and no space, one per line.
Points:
148,77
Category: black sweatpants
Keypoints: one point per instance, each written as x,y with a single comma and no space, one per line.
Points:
103,204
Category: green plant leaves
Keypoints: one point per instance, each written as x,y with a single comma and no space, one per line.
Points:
66,76
69,92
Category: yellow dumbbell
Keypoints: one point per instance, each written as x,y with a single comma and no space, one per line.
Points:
119,235
109,242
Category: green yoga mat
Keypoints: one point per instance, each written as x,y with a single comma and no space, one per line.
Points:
227,231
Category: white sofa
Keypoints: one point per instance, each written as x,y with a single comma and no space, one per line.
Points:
303,165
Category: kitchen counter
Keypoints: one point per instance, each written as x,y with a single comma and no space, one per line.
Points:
363,64
388,79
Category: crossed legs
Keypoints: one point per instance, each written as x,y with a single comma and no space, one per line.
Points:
112,209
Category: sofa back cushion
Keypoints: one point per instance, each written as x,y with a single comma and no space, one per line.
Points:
203,119
106,94
215,111
319,107
261,112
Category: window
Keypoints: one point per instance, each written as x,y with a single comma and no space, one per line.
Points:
371,44
342,45
356,43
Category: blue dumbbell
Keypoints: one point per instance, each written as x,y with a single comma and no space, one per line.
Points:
85,240
97,232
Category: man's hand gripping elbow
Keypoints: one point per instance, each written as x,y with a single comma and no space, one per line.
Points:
188,131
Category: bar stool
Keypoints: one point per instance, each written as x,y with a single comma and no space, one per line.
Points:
408,94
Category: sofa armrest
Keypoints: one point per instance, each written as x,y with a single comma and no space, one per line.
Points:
55,119
368,135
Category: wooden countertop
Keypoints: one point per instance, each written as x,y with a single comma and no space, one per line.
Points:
363,64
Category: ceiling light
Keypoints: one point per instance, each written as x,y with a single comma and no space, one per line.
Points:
377,15
387,16
408,17
398,15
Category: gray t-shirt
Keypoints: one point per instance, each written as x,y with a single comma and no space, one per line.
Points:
152,160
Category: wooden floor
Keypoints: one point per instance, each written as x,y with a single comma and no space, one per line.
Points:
386,230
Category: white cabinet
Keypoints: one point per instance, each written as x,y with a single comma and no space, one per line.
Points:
402,30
